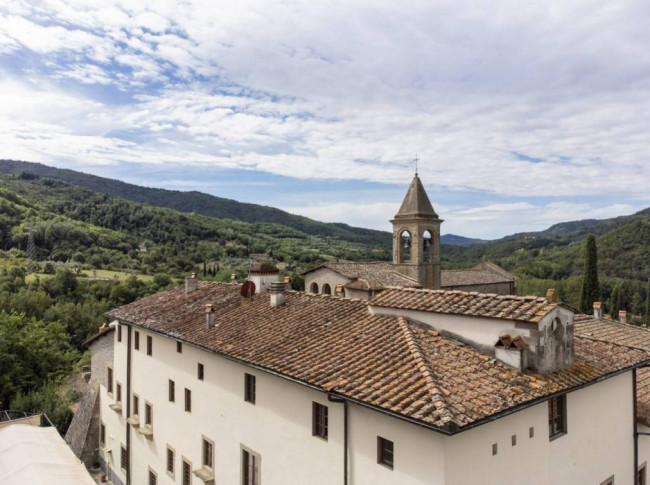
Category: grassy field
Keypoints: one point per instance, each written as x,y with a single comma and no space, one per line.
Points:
114,275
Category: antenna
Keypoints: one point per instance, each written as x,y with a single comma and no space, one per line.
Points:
416,160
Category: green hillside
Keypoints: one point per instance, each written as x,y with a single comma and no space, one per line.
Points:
200,203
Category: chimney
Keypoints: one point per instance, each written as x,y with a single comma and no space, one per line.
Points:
209,316
191,284
277,294
598,310
512,351
233,278
551,295
622,316
287,281
339,291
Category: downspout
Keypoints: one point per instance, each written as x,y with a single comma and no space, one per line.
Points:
128,405
332,398
636,432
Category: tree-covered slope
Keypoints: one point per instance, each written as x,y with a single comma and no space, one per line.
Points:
198,202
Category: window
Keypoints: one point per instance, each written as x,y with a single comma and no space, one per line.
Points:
148,414
327,289
609,481
149,345
179,347
187,473
208,453
188,400
250,468
557,416
641,475
319,420
170,461
172,391
249,388
136,405
118,392
513,440
531,432
153,478
102,434
124,461
495,448
385,452
119,333
199,371
136,340
109,380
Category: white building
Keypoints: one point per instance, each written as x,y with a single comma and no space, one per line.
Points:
409,388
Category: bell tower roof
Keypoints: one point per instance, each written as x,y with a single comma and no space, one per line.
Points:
416,203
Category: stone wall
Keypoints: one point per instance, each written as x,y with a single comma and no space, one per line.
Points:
101,351
83,434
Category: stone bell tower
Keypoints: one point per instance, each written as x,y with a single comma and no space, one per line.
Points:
416,238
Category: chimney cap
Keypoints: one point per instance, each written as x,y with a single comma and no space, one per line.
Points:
551,295
209,308
233,276
597,304
193,274
277,287
622,313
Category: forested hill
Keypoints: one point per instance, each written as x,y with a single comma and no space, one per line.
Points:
199,203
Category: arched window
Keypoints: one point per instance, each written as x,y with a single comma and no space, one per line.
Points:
405,248
427,243
326,289
314,288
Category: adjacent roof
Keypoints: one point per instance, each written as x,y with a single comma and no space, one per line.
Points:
391,364
606,330
370,276
509,307
470,277
38,456
416,203
103,330
264,268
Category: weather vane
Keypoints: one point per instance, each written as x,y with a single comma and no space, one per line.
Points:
416,160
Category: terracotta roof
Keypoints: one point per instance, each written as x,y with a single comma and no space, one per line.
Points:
607,330
468,277
371,276
392,364
264,268
416,202
509,307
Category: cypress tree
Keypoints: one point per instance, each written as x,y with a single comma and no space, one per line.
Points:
646,319
615,301
590,287
205,269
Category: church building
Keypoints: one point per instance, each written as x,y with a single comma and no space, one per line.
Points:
416,260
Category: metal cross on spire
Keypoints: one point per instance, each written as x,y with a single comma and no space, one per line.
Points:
416,160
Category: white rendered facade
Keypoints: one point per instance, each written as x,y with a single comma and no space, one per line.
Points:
278,427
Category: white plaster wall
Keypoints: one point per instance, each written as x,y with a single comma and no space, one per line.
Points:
115,425
263,281
598,443
278,426
418,452
644,448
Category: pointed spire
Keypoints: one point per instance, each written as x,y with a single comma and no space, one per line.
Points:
416,203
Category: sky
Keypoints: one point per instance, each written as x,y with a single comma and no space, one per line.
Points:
523,114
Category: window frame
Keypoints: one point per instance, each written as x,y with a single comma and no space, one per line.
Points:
200,371
557,412
188,400
172,462
186,464
642,472
119,332
154,475
102,433
171,391
136,340
124,458
250,388
179,347
135,402
383,452
609,481
319,420
149,345
109,380
118,391
207,441
247,478
148,414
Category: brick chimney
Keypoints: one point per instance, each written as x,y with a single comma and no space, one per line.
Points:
598,310
191,284
209,316
277,294
622,316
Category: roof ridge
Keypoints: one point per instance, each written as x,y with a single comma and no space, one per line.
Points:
435,393
612,342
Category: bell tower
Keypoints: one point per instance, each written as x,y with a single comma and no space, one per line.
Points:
416,238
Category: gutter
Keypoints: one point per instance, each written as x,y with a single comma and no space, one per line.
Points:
448,429
332,398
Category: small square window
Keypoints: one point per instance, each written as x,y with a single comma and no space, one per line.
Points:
557,424
188,400
119,333
124,460
385,452
170,461
136,405
208,453
172,391
513,440
149,345
199,371
109,379
153,478
319,420
102,434
118,392
249,388
148,414
495,449
187,473
531,432
179,347
136,340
